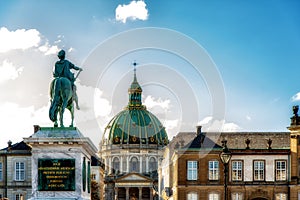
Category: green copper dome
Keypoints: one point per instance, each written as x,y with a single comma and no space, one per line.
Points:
135,124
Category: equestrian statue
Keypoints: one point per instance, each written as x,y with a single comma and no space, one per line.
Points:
63,90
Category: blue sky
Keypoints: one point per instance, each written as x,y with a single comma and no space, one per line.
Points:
255,45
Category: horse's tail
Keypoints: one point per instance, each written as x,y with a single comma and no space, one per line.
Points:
54,94
53,111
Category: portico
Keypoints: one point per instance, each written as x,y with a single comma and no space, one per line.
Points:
133,186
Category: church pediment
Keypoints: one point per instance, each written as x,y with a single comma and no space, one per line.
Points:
133,177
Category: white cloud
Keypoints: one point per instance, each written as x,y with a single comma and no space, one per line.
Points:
205,121
162,109
248,118
91,102
9,72
19,39
296,97
71,49
101,105
48,49
151,102
22,39
208,124
230,127
134,10
170,124
15,126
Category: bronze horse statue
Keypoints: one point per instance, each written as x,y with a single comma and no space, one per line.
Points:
61,98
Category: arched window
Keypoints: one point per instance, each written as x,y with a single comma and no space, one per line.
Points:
192,196
152,164
134,165
116,165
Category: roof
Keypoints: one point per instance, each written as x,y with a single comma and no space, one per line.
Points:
237,140
202,142
135,124
18,148
57,132
258,140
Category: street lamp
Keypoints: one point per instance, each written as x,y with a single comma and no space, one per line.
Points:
225,156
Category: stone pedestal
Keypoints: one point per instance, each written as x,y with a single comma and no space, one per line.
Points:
61,159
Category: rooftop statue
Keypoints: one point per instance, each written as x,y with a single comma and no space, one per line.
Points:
63,89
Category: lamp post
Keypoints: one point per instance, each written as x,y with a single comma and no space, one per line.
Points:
225,156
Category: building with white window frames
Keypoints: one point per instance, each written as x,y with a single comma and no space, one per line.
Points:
258,169
15,171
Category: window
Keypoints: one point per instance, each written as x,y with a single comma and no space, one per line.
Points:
1,171
19,171
280,196
259,169
237,170
192,170
213,173
192,196
93,176
280,170
152,164
214,196
237,196
19,197
116,165
134,165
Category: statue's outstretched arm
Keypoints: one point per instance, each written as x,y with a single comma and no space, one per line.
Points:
72,66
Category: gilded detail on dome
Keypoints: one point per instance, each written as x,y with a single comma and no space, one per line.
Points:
135,124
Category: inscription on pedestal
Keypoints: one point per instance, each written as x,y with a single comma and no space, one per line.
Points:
56,174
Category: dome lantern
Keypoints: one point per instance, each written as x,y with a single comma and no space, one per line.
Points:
135,93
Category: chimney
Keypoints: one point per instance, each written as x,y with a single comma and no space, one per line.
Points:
199,130
200,134
9,143
36,128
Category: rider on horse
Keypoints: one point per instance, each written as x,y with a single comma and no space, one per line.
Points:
63,69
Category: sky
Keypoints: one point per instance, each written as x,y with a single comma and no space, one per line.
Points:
226,65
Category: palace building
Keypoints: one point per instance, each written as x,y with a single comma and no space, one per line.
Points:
15,171
258,168
261,165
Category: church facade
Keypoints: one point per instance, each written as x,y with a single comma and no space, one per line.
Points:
132,145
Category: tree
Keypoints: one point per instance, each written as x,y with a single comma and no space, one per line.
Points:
95,195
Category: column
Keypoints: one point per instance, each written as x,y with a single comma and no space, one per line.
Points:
121,164
127,170
141,164
116,193
127,193
140,192
147,164
151,193
109,165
